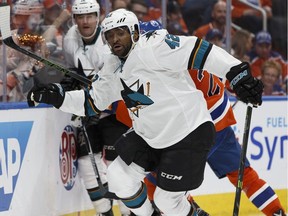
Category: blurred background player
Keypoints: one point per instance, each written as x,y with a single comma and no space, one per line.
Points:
83,43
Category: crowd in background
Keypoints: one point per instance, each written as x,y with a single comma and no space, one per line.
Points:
49,20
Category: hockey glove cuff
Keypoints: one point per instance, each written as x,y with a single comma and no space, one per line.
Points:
52,93
247,88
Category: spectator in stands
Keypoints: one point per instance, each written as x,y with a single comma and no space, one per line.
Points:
26,16
196,12
262,52
116,4
175,20
175,28
241,44
278,27
26,20
140,9
270,74
248,17
55,26
218,21
154,9
214,36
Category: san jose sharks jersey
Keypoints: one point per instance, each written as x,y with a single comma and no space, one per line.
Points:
154,82
91,56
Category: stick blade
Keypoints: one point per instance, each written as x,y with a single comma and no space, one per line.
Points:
5,21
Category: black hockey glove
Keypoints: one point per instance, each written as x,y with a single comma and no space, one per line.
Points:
69,83
52,93
246,87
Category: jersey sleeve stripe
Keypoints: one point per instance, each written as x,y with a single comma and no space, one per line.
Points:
199,54
90,108
191,59
208,47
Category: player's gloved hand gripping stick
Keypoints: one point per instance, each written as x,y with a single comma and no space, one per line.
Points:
247,88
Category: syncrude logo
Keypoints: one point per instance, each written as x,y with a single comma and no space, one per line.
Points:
13,142
68,157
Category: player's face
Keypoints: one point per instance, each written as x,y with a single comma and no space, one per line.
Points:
87,23
119,40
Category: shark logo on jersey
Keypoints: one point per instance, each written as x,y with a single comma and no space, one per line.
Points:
135,100
173,41
13,142
149,34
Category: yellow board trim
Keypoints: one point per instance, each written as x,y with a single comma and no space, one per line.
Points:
215,205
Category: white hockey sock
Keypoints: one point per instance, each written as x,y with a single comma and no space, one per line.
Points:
171,203
144,210
123,208
102,205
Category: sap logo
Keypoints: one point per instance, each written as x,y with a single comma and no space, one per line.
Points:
170,177
13,142
68,157
273,144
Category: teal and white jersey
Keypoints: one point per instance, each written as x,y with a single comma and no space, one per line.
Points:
91,56
154,82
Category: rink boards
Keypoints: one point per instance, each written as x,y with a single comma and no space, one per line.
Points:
38,166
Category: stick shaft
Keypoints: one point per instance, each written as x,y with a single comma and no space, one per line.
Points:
9,42
242,160
103,190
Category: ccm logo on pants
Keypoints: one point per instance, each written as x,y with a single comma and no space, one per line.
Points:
171,177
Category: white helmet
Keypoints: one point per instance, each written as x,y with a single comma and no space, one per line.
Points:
119,18
85,7
28,7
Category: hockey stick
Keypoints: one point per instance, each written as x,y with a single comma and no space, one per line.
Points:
103,190
242,160
8,40
235,103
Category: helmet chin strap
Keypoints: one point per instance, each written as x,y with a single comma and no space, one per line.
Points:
88,37
132,46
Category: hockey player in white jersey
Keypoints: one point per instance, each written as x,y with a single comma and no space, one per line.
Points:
173,130
83,43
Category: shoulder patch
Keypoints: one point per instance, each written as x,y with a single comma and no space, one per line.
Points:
173,41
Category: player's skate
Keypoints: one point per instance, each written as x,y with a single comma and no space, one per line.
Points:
197,210
108,213
280,212
155,213
200,212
